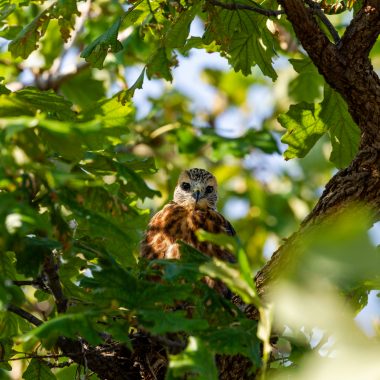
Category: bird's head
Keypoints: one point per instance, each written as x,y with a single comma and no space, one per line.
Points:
196,188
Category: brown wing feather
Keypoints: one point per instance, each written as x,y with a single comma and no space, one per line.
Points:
175,222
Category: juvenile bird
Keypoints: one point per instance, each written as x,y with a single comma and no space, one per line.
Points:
193,207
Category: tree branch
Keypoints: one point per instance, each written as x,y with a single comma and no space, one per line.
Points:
316,8
24,314
307,29
112,360
361,34
38,283
346,68
237,6
51,270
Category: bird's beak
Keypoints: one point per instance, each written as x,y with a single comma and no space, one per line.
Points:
196,196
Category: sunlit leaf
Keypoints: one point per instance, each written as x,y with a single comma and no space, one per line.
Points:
232,277
26,41
159,65
96,52
65,11
244,36
126,95
344,133
240,146
307,86
179,30
304,128
196,360
38,370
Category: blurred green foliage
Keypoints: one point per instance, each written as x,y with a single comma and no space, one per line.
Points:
82,169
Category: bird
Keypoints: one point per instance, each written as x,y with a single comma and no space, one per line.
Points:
193,207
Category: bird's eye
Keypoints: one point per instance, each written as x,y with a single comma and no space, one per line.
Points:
209,189
185,186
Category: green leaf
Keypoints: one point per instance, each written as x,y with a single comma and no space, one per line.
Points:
232,277
161,321
136,14
344,133
96,52
83,89
240,146
37,370
51,44
159,65
304,128
6,353
3,89
127,95
65,11
26,41
244,36
8,325
246,50
8,292
7,265
31,253
53,105
116,236
196,361
188,141
69,325
6,9
112,113
307,86
179,30
237,338
135,183
187,267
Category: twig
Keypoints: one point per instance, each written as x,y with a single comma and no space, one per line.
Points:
24,314
51,270
236,6
316,8
59,365
31,356
38,283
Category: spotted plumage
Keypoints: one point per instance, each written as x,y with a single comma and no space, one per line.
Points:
193,208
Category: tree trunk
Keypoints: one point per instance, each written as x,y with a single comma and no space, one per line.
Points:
346,68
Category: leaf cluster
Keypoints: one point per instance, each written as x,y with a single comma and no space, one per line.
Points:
79,175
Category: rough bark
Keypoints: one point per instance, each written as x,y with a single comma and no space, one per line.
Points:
346,67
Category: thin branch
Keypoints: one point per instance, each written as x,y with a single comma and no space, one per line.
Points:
31,356
38,283
26,283
59,365
308,32
236,6
24,314
51,270
316,8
